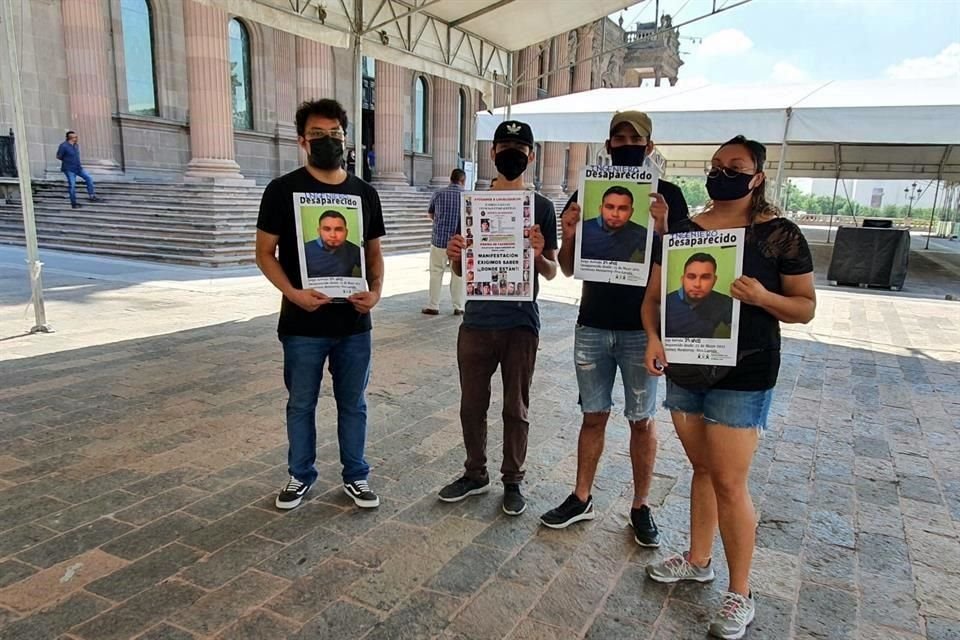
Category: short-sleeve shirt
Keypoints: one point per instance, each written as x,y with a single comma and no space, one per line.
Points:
771,249
335,319
616,307
445,207
496,314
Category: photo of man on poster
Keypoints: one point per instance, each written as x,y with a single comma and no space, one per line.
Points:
695,309
331,254
612,235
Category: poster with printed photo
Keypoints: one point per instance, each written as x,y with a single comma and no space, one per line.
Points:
700,320
615,232
330,235
497,262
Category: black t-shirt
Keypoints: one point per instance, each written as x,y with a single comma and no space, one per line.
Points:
503,314
277,218
616,307
771,249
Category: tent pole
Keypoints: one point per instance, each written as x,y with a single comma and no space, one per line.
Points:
510,80
358,150
933,210
836,180
23,171
783,156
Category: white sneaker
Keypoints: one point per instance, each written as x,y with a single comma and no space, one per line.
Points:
735,614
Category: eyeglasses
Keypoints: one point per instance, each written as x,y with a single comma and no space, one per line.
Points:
713,172
317,134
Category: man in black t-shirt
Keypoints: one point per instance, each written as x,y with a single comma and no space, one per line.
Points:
695,310
314,328
609,335
502,334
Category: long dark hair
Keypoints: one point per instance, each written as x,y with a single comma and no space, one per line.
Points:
759,205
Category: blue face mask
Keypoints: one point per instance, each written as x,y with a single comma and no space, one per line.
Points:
631,155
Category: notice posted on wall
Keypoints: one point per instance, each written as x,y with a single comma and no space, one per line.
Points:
700,320
497,262
615,232
330,236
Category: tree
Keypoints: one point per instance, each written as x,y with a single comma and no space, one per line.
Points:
694,191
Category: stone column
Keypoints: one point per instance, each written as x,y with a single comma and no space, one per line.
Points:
528,70
388,126
88,79
285,76
554,153
208,81
486,171
581,82
314,70
445,135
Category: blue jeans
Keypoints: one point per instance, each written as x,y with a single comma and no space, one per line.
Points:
597,354
72,184
303,360
740,409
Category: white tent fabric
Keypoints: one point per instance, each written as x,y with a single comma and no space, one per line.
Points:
866,129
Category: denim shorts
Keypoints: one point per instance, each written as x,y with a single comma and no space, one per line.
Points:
597,355
741,409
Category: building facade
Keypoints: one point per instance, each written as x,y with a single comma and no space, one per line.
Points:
175,90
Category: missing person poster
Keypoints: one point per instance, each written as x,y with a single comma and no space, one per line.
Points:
330,235
497,261
615,232
699,318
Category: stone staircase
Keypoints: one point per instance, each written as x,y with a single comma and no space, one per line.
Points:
199,225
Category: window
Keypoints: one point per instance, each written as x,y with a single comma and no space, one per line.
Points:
462,119
137,22
240,75
420,115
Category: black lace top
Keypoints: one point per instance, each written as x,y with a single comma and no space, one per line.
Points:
773,248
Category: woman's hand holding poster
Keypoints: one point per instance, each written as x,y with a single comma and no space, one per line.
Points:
615,232
700,321
497,261
330,234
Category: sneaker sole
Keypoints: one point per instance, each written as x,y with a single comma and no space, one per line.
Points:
590,515
733,636
286,506
472,492
672,580
647,545
514,513
363,504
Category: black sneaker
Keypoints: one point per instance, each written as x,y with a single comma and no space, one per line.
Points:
75,205
464,488
292,494
360,491
645,530
572,510
513,501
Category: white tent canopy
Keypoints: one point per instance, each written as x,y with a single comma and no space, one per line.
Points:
895,129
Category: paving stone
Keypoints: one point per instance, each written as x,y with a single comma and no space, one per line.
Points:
162,482
871,447
298,559
890,602
220,608
682,621
827,613
880,492
164,631
145,572
73,543
39,506
872,631
773,619
140,612
534,630
258,626
829,565
59,581
934,550
468,570
228,500
55,620
873,518
537,563
12,571
775,573
142,541
420,617
942,629
571,597
831,528
920,488
884,555
937,592
396,578
230,561
339,620
637,597
225,530
308,596
610,626
23,537
159,505
77,492
781,535
105,505
295,524
495,611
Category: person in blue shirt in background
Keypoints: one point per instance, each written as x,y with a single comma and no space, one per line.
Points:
69,156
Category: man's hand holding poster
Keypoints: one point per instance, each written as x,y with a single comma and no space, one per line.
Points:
699,318
497,263
330,231
615,232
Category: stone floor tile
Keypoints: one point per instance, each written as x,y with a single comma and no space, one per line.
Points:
140,612
339,620
229,562
308,596
224,606
494,612
823,612
51,622
258,625
73,543
145,572
58,581
158,533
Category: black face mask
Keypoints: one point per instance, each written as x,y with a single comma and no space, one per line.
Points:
631,155
511,163
721,188
326,153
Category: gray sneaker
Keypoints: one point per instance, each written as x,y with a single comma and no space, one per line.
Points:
735,614
677,568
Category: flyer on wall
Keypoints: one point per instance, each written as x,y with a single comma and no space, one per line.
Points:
615,232
700,320
497,262
330,239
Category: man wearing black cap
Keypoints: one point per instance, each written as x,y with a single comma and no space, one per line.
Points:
609,335
504,334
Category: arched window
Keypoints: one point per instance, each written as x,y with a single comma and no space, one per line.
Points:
462,119
241,85
136,19
420,98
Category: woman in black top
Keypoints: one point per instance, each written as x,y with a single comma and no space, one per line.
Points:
719,412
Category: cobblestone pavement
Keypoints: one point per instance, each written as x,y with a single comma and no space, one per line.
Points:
137,475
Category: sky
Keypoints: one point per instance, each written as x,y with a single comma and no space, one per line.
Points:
785,41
